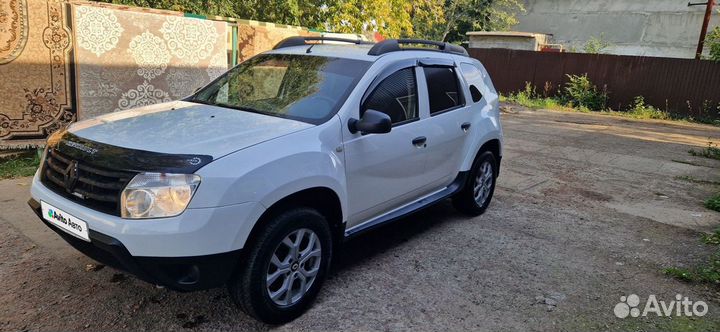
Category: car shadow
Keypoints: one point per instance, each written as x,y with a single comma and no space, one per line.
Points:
364,247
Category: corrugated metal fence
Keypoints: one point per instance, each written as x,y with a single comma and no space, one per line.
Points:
681,86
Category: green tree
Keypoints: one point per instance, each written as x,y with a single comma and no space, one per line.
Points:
203,7
428,18
391,18
446,20
462,16
713,44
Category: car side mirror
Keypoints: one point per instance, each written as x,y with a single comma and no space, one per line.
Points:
372,122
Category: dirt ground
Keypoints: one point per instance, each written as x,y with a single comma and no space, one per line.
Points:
588,208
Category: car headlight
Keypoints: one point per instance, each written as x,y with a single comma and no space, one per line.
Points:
157,195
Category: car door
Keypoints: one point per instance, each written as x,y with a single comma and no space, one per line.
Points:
386,170
449,123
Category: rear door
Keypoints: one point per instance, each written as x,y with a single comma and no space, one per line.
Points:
449,124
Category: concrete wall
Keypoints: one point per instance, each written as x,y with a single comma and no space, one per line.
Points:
509,40
667,28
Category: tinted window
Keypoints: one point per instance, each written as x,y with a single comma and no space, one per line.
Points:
443,89
301,87
475,94
395,96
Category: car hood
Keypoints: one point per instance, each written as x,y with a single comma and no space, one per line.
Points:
185,128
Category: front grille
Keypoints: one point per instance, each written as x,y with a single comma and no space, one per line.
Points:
97,188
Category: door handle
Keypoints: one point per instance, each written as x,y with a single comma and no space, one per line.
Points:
465,126
420,141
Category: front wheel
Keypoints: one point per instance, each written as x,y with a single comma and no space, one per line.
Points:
285,267
477,193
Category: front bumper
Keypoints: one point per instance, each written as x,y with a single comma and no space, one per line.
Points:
178,273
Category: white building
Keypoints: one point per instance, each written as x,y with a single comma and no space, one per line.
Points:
667,28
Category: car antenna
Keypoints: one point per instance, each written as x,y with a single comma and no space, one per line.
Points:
310,48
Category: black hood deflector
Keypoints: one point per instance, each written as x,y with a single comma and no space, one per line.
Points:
119,158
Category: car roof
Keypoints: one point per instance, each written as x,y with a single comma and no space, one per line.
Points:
359,52
348,51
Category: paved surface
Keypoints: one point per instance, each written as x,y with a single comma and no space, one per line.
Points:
589,208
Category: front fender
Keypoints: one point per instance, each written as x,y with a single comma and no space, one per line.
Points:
272,170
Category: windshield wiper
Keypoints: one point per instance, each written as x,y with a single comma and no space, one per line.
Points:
200,101
245,108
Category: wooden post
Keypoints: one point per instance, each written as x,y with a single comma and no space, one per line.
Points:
706,23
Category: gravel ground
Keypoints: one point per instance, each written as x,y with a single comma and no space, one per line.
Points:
588,209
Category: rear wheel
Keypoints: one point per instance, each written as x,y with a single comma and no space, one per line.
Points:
475,197
285,267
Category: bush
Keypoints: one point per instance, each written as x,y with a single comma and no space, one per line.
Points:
529,97
580,92
640,110
713,44
713,203
597,45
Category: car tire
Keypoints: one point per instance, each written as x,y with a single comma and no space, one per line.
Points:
257,277
475,196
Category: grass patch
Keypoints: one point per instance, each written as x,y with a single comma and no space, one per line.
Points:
24,164
641,110
711,239
708,272
712,151
713,203
580,95
693,179
530,98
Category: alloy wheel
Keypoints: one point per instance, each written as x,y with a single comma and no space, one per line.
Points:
293,267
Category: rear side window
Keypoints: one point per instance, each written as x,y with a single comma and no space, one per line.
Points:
473,76
475,94
443,88
395,96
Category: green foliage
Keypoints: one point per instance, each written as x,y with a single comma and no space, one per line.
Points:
430,19
713,203
712,151
713,44
708,272
641,110
705,273
679,273
580,92
696,180
712,238
462,16
309,13
391,18
597,45
530,98
581,95
21,165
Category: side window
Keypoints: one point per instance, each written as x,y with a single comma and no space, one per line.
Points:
472,74
443,88
395,96
475,94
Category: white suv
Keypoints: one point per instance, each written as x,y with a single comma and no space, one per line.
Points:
256,179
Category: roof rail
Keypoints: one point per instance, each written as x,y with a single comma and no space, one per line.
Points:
300,41
393,45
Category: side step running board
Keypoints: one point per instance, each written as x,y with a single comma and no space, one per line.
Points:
409,209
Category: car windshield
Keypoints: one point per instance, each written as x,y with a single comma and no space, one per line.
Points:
301,87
